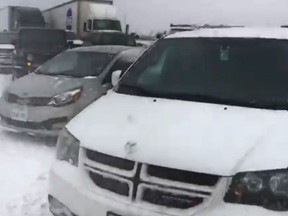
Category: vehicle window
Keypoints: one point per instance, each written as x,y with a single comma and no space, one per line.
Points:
250,72
71,36
76,64
120,64
42,37
107,25
7,38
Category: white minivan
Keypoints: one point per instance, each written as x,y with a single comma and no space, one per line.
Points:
198,126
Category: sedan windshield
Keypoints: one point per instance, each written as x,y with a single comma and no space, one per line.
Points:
76,64
244,72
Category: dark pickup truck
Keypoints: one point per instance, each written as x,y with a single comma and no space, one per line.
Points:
34,46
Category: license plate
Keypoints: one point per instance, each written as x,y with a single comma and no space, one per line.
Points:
19,114
112,214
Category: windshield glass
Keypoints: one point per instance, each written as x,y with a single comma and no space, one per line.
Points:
34,37
7,38
71,36
107,25
112,39
248,72
76,64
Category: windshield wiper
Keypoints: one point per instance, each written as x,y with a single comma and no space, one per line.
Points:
198,97
140,91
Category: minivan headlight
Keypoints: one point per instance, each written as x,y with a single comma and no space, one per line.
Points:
68,148
66,98
268,189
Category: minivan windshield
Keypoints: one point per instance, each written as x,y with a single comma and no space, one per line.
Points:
237,71
45,37
76,64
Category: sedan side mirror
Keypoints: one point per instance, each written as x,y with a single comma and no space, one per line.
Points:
116,77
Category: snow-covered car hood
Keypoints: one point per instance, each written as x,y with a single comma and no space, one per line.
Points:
43,86
199,137
7,46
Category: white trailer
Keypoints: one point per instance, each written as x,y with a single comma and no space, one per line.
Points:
14,17
83,16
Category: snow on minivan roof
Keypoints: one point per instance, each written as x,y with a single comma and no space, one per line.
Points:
235,32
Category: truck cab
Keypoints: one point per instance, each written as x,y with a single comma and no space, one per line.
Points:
35,46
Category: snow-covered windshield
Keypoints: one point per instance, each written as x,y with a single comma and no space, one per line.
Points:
7,38
246,72
76,64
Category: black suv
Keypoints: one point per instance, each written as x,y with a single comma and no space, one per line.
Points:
34,46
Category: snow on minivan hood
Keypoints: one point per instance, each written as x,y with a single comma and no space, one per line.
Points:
193,136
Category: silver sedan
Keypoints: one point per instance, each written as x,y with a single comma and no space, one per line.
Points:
43,102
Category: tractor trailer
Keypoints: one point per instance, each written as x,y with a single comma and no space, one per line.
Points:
14,17
83,16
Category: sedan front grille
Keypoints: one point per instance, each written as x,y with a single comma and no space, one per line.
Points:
157,186
45,125
30,101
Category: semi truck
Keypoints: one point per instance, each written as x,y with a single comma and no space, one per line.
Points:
14,17
83,16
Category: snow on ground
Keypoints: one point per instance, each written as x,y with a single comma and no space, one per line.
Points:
24,166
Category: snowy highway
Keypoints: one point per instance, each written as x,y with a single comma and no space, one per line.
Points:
24,166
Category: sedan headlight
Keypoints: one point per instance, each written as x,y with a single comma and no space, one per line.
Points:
68,148
268,189
66,98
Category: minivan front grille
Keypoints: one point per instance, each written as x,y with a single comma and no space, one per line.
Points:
113,185
182,176
157,186
172,200
110,161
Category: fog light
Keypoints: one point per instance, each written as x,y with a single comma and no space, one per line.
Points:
57,208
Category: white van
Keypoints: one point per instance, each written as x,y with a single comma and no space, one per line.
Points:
198,126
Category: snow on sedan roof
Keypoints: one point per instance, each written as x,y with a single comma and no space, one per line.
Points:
237,32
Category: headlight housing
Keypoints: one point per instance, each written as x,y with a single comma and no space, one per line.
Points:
68,148
268,189
66,98
30,57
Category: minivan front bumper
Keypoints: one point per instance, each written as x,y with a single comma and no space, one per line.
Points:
67,185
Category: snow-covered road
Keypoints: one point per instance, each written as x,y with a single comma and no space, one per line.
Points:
24,166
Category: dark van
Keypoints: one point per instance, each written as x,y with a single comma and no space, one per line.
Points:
34,46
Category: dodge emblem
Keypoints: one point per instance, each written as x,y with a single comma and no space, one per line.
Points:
130,147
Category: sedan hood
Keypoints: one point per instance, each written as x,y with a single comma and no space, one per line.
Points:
199,137
42,86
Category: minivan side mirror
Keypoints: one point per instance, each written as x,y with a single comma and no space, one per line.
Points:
116,77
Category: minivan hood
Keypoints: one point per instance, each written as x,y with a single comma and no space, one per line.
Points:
199,137
35,85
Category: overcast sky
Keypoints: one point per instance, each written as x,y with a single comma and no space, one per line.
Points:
152,15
